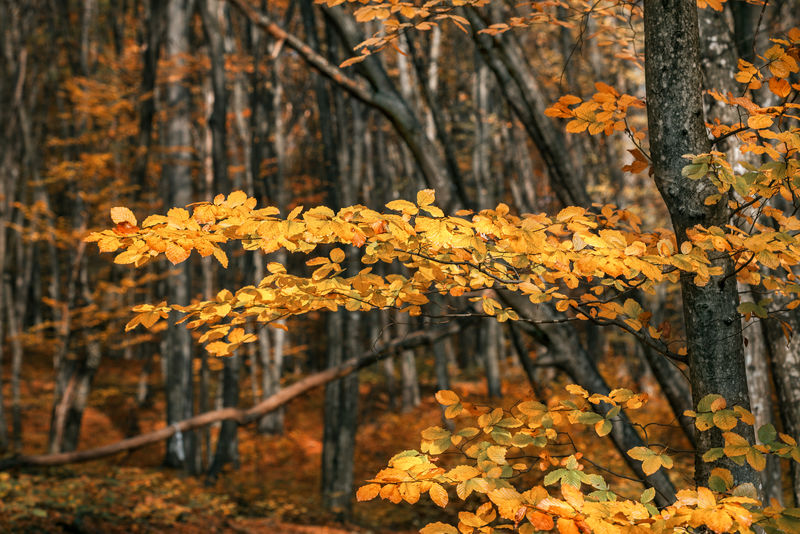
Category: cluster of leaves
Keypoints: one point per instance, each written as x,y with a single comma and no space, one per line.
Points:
712,412
396,17
605,112
544,258
502,445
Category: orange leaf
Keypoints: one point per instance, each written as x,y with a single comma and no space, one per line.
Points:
176,253
438,494
368,492
539,520
567,526
121,214
758,122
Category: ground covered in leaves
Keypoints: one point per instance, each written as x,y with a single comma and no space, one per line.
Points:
275,489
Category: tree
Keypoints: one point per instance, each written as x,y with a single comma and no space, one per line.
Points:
593,262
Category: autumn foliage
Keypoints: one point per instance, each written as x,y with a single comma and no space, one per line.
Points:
583,261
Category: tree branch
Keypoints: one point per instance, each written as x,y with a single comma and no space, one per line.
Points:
325,67
241,416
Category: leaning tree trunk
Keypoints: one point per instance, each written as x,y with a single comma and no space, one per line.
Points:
676,125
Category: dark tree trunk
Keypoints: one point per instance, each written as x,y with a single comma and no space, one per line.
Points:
340,420
154,28
676,127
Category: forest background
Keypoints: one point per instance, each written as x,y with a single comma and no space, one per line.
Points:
158,104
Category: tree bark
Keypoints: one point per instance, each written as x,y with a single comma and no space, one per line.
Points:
676,127
182,449
154,29
340,420
217,121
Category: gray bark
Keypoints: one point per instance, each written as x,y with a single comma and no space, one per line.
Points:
785,363
408,368
210,11
341,420
182,449
490,354
154,29
676,127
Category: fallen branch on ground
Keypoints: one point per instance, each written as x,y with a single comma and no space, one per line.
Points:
241,416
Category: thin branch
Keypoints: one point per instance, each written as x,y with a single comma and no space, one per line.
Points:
325,67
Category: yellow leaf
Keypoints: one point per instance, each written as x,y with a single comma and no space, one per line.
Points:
462,472
409,491
237,198
221,257
569,212
758,122
178,216
294,213
445,397
426,197
218,348
128,256
108,244
403,205
497,454
275,268
120,214
438,494
651,464
705,498
725,420
640,453
575,389
756,459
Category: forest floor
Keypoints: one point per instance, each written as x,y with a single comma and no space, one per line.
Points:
274,490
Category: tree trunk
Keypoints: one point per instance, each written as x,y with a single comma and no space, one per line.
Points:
154,29
676,127
340,420
785,358
182,449
490,355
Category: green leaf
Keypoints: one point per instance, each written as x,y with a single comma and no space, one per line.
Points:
695,171
573,478
713,454
554,476
705,403
589,418
767,433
